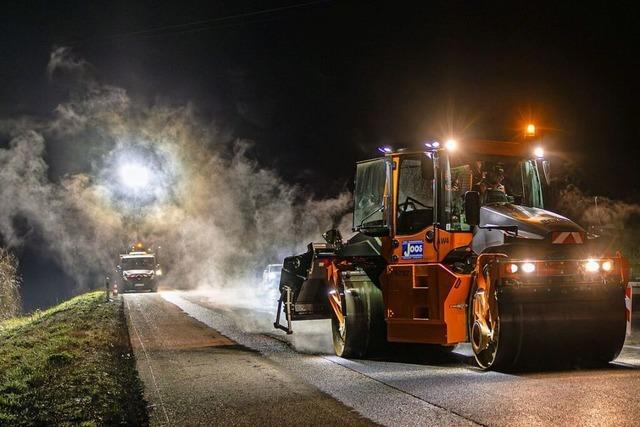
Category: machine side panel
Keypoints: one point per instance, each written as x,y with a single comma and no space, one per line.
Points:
425,303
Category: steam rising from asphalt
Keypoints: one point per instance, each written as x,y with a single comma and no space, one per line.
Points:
217,214
596,211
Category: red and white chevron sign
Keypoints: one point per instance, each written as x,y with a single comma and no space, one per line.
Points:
628,295
567,237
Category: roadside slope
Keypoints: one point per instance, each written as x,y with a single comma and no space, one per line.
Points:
70,365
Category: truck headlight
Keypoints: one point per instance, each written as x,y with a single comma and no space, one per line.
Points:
607,265
158,272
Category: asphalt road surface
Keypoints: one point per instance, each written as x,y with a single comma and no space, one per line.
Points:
195,376
204,361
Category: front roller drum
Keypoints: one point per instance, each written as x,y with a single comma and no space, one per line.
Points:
361,331
540,328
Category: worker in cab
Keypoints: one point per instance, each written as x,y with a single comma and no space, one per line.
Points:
491,188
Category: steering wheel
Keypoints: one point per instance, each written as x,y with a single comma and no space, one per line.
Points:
410,201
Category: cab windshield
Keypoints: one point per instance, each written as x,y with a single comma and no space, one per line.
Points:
498,179
138,263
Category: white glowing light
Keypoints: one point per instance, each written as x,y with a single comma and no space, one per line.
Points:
607,265
134,176
528,267
512,268
451,144
592,266
539,152
159,272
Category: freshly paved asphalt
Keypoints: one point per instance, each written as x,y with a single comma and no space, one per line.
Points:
195,376
395,389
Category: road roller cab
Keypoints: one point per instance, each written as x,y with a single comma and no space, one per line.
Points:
453,244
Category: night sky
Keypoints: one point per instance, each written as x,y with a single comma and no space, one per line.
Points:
319,85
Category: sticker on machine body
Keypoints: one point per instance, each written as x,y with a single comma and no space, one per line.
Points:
412,249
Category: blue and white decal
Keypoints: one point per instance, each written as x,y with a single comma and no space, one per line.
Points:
412,249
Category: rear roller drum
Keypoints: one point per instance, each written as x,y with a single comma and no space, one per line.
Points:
361,330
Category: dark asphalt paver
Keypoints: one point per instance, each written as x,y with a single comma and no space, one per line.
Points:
195,376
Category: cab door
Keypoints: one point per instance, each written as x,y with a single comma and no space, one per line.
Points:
410,282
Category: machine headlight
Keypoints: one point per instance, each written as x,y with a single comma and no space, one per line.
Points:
512,268
159,272
528,267
591,266
607,265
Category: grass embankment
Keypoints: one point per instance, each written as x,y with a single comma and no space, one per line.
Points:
70,365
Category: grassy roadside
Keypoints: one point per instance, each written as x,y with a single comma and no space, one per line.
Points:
70,365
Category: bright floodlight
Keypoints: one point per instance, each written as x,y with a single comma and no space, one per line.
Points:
134,176
451,144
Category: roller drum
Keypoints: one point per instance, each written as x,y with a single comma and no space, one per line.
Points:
549,325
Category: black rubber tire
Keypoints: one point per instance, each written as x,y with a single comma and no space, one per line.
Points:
364,329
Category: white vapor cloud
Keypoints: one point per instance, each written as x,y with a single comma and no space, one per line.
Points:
218,215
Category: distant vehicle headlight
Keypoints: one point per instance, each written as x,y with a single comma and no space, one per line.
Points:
528,267
512,268
592,266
